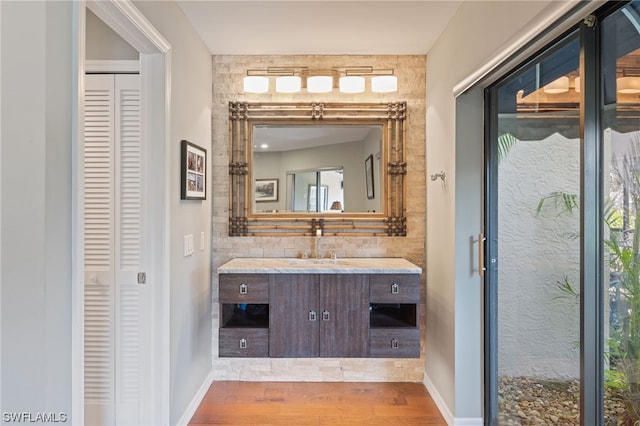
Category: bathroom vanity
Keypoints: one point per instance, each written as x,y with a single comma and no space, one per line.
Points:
338,308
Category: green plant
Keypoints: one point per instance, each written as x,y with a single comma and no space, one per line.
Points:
621,216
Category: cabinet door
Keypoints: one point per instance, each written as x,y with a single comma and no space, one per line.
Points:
344,315
294,317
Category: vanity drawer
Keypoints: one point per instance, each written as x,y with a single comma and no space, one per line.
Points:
244,288
244,342
394,343
392,288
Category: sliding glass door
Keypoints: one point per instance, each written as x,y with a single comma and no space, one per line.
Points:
536,240
562,206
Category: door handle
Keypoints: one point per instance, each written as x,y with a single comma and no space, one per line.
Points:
312,315
481,268
325,315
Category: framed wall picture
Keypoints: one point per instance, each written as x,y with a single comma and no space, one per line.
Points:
193,171
368,170
266,190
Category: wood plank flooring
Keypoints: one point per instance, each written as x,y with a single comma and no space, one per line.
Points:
327,403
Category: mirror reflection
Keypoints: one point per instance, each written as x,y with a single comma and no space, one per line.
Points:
326,168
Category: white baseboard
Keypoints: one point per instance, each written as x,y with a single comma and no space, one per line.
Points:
469,421
444,409
195,402
437,398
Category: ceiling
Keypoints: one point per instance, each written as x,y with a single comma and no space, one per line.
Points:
332,27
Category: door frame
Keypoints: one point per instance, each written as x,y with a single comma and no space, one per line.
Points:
155,78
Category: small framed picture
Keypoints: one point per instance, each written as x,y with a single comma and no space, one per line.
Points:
368,170
266,190
193,170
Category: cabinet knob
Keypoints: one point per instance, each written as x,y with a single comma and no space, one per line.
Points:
394,343
395,288
312,315
243,288
243,343
325,315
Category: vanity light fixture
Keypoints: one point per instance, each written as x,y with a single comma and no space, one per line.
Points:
352,84
294,79
255,84
320,84
288,84
559,85
384,83
628,85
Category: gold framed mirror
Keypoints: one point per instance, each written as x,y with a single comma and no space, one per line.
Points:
308,169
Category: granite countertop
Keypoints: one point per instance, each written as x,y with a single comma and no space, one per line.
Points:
290,265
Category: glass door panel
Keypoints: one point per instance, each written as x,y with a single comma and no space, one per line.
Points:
536,152
621,203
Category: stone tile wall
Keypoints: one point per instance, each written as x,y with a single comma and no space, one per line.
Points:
228,71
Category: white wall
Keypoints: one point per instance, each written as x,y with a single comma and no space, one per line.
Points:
36,206
103,43
473,37
190,294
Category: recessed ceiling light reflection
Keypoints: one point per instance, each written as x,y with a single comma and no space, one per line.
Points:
264,146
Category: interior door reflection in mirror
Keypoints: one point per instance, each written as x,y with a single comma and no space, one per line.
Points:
303,195
322,167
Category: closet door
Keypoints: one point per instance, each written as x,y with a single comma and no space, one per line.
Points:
113,257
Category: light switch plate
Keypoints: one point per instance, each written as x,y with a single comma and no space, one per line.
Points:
188,245
201,241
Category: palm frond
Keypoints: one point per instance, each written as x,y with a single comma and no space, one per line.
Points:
505,143
562,201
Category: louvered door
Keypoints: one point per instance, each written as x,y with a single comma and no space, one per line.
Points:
113,256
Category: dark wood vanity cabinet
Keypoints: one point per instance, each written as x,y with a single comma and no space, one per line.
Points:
291,315
319,315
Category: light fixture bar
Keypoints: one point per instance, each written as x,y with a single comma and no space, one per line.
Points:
350,79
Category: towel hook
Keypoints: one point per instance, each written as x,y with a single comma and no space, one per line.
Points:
440,175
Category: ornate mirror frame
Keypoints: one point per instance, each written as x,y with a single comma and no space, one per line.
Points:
243,221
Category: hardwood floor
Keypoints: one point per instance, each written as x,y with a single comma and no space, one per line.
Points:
327,403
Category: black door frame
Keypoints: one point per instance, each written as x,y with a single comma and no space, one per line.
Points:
591,230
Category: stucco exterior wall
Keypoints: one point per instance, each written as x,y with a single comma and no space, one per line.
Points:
227,86
538,328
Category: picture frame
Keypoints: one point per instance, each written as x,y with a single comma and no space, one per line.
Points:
368,170
193,171
266,190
